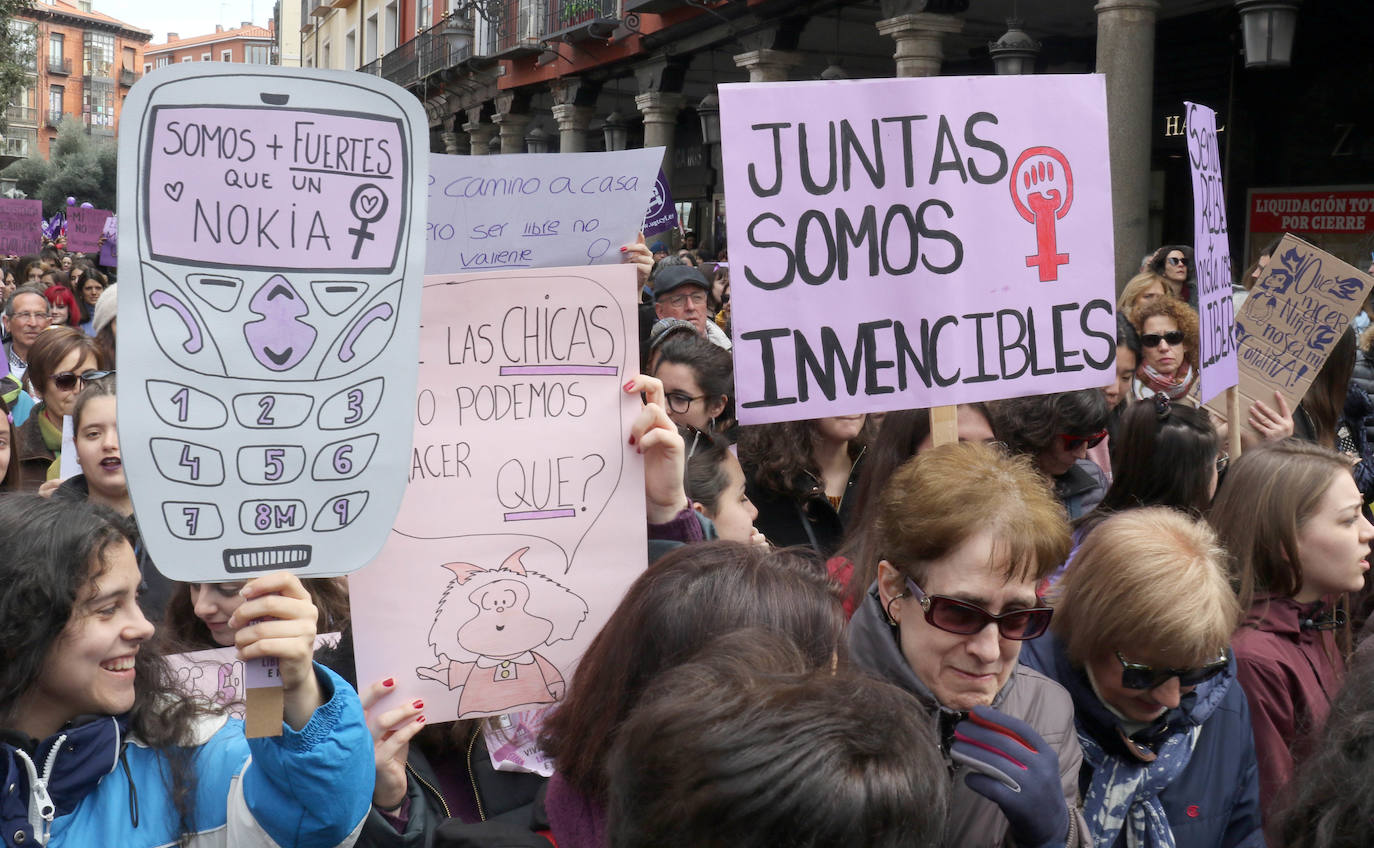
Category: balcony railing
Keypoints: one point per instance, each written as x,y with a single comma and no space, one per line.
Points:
524,28
128,76
53,118
429,52
21,115
570,19
59,66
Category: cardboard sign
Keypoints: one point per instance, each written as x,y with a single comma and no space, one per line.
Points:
1291,320
535,210
84,228
271,290
917,242
524,520
1212,253
109,249
661,215
221,678
21,227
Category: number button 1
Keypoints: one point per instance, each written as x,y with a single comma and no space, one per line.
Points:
344,460
187,462
339,512
270,465
191,520
185,407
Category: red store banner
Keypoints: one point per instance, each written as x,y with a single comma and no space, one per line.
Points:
1341,210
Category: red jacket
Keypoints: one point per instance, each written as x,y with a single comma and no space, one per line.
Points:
1290,673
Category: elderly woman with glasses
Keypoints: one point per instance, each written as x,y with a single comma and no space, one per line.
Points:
965,534
1142,624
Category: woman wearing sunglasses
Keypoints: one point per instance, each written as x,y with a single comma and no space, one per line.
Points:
1174,262
61,360
965,533
1057,431
1290,515
1168,351
1168,758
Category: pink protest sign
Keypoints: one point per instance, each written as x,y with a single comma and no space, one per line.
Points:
1212,248
109,248
84,228
280,188
21,227
523,521
917,242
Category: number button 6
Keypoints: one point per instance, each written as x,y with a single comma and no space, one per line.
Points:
344,460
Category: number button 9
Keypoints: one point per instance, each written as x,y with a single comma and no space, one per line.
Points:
339,512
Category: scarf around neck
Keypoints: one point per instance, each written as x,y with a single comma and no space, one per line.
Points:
1175,387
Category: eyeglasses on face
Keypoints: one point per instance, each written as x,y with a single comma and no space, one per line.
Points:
966,619
1146,677
1073,443
66,380
30,317
679,402
1178,260
1173,337
677,301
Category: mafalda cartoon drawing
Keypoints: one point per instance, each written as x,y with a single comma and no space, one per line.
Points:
486,629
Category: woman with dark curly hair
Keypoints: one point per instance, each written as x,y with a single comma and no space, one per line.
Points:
1174,262
1056,431
799,475
1168,346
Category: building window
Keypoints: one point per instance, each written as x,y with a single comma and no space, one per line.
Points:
55,94
226,56
25,37
98,57
370,39
424,14
128,59
258,54
205,57
185,59
56,44
351,50
98,104
392,30
147,66
325,56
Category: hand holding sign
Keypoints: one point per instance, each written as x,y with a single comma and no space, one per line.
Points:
278,621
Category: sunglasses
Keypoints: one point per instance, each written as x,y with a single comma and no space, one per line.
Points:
1073,443
1141,676
66,381
965,619
1173,337
1177,260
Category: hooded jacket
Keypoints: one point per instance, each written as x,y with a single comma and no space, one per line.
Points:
1290,668
1214,801
974,821
309,788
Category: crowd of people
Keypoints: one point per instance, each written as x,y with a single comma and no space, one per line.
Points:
1082,624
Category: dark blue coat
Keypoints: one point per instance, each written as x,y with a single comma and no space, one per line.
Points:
1214,803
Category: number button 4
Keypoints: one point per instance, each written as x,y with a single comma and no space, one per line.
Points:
187,462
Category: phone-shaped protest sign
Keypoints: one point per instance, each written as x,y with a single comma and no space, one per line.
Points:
268,319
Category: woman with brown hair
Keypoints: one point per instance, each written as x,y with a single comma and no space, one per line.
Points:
1142,290
1169,351
800,475
1291,518
61,361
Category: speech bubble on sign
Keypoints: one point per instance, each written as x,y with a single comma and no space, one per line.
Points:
517,424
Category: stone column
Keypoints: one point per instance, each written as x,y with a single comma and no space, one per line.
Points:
572,126
1126,55
768,65
511,125
450,140
660,109
479,137
920,41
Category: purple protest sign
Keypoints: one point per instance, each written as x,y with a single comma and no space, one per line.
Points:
21,227
84,227
109,249
1212,250
917,242
662,214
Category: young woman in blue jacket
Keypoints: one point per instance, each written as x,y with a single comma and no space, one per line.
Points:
98,744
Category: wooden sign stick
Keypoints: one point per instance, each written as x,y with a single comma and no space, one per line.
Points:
1233,413
944,425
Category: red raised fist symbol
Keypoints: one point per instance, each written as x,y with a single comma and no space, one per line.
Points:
1042,189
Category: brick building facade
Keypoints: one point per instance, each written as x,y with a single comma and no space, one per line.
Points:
244,44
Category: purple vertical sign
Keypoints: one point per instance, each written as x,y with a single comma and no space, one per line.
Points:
662,214
1212,252
21,227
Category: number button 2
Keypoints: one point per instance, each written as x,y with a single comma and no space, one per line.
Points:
184,407
344,460
187,462
339,512
272,410
270,465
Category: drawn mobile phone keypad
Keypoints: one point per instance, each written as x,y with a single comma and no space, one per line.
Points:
277,263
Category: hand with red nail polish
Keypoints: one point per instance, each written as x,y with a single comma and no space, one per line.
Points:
392,732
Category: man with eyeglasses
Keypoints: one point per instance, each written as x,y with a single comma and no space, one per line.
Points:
1141,639
26,315
680,291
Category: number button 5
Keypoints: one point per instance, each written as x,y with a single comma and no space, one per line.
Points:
270,465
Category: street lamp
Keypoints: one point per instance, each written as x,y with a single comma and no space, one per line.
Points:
708,110
537,141
1015,51
617,132
1268,27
